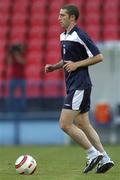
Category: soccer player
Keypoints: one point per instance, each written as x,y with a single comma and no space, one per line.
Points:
79,52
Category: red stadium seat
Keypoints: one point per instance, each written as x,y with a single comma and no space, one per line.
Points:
4,18
35,57
95,9
2,42
38,2
94,32
53,57
33,71
93,3
38,7
53,19
2,64
53,32
53,84
19,19
38,19
92,18
4,5
21,6
3,31
18,30
34,79
92,7
2,57
34,84
55,6
111,5
111,33
78,3
36,32
18,33
106,10
111,18
35,45
38,11
53,51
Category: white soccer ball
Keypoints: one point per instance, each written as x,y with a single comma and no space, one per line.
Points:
25,164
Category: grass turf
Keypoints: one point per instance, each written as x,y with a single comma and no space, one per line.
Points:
55,163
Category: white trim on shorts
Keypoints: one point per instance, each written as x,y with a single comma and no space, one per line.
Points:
77,99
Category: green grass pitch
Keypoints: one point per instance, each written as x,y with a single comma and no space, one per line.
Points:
55,163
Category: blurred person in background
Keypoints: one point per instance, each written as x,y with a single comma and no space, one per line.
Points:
79,52
16,59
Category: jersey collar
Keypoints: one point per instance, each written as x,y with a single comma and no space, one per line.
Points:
72,30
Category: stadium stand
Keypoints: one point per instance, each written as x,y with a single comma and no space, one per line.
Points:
35,45
35,23
53,81
4,31
111,20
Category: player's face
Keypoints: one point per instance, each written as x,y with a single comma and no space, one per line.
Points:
64,18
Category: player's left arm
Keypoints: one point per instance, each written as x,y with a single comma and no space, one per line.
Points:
90,61
72,66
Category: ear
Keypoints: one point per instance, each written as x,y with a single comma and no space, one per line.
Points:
72,17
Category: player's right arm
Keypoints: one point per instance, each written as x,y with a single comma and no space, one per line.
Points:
53,67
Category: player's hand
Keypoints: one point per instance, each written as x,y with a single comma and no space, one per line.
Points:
49,68
70,66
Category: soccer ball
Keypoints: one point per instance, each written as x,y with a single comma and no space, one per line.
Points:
25,164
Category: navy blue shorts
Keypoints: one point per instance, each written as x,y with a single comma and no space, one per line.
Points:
78,100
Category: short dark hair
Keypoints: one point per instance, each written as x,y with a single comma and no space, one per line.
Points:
72,10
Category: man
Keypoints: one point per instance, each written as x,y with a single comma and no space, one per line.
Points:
15,59
79,52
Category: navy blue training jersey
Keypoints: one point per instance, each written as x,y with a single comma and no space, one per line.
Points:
75,46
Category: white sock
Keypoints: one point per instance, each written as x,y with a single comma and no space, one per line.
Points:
92,152
105,157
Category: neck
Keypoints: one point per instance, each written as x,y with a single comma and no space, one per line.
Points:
70,27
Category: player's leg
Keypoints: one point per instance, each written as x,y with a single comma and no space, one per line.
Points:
82,121
67,125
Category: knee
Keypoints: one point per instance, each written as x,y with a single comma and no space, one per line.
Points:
78,125
64,126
